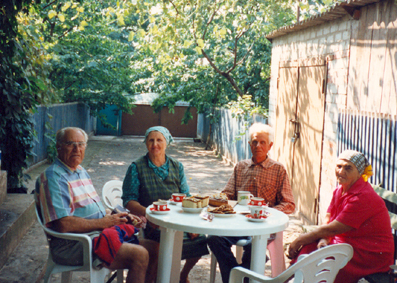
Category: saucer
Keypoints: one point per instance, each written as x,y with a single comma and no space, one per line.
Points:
261,219
192,210
154,211
223,215
171,201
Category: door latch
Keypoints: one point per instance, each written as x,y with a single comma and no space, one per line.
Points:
295,137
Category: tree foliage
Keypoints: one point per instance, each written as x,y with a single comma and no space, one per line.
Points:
20,92
208,52
90,52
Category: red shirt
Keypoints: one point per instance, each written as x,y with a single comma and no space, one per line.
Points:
371,238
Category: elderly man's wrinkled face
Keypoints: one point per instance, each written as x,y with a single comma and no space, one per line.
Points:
72,149
346,173
260,146
156,144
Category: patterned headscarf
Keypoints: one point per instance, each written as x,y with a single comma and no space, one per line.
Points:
360,161
163,130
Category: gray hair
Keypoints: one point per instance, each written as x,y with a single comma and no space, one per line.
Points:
61,134
261,128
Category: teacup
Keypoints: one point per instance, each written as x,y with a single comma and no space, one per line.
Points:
244,197
257,211
160,205
257,201
178,197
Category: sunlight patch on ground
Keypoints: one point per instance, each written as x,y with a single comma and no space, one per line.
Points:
112,163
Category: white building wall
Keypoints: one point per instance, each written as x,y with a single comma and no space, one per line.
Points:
330,40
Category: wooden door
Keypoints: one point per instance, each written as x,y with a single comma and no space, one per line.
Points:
308,147
285,110
299,131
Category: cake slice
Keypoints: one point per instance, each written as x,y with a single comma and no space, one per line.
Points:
191,202
204,200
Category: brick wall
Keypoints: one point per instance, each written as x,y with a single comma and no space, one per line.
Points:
332,41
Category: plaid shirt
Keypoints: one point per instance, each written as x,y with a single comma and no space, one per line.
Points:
268,180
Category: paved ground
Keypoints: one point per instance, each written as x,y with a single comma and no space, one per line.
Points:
107,158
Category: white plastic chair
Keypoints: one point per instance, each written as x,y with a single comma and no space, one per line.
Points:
112,192
276,251
96,275
111,195
319,266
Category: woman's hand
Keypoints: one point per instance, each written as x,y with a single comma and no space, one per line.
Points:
136,221
294,248
322,243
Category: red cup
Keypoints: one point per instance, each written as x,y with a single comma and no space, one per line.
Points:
177,197
160,205
257,201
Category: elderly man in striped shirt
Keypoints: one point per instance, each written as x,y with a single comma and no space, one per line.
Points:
68,202
264,178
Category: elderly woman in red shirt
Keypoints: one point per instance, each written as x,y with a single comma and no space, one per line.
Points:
356,216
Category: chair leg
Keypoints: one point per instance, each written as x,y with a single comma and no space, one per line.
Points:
276,251
99,275
66,277
120,275
213,268
48,269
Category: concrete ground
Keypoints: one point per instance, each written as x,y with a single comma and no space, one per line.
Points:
107,158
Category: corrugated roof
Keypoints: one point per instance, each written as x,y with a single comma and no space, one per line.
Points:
341,9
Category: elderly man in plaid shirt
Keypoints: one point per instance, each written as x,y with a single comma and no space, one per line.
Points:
261,176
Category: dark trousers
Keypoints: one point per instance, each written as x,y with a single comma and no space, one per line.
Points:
221,248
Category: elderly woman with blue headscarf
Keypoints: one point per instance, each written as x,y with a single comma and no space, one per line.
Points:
157,176
356,216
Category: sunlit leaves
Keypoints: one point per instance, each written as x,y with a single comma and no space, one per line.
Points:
52,14
61,17
66,6
83,24
200,43
131,36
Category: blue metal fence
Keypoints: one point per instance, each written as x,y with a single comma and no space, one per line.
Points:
224,134
375,135
52,118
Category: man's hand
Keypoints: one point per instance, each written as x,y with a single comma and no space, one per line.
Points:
110,220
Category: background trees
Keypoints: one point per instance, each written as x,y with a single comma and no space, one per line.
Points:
206,52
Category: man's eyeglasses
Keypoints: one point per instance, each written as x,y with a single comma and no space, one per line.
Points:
73,144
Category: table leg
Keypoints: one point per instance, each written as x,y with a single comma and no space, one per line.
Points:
176,258
169,255
258,254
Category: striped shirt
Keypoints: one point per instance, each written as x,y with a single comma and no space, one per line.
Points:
268,180
62,192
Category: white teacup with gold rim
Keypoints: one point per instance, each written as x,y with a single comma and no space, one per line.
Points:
244,197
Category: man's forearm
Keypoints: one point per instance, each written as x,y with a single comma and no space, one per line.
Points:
73,224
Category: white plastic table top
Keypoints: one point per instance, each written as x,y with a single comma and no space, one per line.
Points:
176,220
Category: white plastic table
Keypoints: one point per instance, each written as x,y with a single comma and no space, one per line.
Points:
174,223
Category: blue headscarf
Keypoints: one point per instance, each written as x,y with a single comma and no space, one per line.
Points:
163,130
